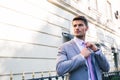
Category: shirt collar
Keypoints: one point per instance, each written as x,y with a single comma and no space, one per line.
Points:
80,41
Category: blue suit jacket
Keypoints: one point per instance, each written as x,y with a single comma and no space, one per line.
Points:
70,61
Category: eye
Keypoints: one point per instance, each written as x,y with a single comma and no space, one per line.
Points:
80,24
74,25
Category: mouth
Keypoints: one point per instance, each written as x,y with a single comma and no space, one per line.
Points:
77,32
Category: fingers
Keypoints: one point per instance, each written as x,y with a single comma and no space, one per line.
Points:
91,46
85,52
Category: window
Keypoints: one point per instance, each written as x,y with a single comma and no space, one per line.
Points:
109,11
93,4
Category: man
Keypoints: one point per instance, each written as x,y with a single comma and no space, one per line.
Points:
82,60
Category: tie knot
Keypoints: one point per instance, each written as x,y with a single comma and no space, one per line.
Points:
83,44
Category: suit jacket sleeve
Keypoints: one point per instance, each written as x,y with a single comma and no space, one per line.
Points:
102,61
65,65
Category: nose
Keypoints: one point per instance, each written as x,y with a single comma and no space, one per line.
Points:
77,26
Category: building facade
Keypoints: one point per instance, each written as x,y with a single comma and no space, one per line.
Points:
31,32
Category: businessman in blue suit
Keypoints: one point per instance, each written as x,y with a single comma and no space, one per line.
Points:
82,60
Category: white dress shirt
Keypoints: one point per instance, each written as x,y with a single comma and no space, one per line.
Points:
81,44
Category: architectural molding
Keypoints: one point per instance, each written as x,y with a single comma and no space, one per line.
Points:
66,6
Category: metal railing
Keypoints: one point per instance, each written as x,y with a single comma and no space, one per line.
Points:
41,75
51,78
51,75
111,75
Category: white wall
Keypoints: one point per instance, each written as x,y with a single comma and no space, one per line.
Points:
30,29
30,32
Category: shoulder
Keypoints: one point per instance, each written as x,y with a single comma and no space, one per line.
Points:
66,47
68,43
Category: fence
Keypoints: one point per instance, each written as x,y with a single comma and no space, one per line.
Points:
51,78
51,75
105,76
42,75
111,75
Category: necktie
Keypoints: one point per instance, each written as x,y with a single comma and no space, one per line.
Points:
90,66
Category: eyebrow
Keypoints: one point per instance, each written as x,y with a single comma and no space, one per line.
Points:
78,25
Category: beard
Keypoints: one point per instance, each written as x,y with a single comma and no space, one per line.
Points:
80,36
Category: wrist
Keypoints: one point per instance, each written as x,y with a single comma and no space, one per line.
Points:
96,50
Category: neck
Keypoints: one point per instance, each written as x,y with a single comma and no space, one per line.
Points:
82,38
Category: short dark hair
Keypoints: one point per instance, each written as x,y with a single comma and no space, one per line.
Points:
81,18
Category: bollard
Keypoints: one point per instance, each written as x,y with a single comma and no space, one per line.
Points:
11,76
42,76
33,75
49,75
56,77
50,78
23,76
62,77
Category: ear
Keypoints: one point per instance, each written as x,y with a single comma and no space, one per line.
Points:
86,28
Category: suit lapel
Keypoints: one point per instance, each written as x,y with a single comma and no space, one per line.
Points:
94,65
75,47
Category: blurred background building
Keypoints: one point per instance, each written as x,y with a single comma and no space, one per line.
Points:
31,32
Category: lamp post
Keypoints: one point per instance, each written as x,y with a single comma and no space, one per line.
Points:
67,36
115,54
